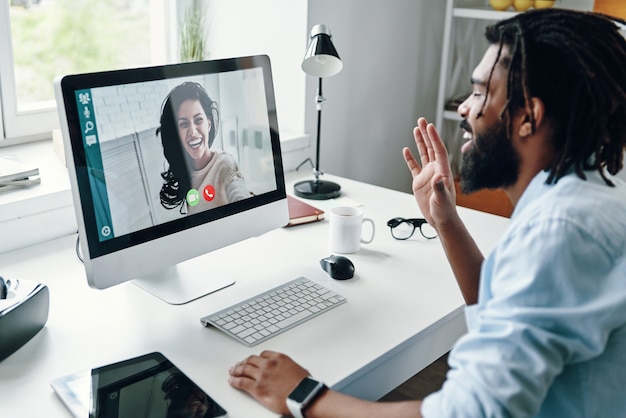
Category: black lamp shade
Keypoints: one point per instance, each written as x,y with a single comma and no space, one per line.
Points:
321,58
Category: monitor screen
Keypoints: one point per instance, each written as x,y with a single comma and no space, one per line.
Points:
160,158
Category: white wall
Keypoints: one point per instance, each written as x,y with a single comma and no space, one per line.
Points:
391,53
243,27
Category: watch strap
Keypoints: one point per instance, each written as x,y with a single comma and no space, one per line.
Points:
297,403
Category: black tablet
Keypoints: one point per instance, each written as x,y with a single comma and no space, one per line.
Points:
145,386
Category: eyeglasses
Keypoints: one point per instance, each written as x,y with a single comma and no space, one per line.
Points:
402,228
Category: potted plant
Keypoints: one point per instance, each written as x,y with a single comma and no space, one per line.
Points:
193,34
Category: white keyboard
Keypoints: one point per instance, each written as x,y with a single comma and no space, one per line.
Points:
270,313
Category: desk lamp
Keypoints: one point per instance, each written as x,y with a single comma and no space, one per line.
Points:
321,60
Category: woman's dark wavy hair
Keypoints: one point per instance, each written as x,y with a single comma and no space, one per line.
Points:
177,180
575,62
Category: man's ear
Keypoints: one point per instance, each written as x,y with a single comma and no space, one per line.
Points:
529,125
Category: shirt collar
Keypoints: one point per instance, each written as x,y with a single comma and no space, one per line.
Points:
535,189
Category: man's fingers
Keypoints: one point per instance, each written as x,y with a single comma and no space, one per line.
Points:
250,367
421,145
411,162
439,149
423,125
244,370
269,354
241,383
255,360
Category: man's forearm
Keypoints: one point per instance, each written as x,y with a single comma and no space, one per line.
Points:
337,405
464,257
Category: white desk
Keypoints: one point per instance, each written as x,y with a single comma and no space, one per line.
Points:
404,310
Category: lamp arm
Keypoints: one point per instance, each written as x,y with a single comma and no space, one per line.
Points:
319,99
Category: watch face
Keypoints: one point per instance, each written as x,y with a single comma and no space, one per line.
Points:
304,389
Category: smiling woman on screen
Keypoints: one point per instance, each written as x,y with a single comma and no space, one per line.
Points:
198,178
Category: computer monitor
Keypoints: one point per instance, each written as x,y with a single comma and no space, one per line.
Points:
169,163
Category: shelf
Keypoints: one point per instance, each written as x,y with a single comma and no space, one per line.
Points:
486,13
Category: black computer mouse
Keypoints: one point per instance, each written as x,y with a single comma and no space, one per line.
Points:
338,267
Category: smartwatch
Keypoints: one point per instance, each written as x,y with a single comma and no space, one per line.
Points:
303,395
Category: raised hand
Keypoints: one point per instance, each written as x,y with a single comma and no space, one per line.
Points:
433,182
433,188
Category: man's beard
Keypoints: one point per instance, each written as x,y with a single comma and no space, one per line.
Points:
491,162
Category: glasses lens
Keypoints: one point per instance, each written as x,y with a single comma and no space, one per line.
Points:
403,231
428,231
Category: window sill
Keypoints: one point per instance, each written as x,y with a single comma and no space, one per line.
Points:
45,211
40,212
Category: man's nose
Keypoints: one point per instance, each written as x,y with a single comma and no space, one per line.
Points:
463,109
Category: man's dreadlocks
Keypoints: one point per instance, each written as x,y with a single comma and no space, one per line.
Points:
575,62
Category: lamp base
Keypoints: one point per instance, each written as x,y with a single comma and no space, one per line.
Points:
317,189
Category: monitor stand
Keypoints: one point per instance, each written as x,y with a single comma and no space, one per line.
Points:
186,281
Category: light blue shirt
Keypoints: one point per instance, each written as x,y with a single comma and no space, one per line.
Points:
547,337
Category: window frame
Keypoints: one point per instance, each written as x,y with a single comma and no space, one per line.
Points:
25,124
20,126
17,128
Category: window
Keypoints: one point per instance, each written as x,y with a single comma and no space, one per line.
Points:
40,39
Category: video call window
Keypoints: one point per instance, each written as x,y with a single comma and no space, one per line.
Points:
125,141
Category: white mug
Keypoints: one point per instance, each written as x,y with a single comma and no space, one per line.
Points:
346,229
